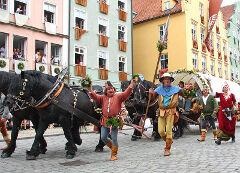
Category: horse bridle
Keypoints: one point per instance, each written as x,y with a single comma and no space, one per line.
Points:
20,103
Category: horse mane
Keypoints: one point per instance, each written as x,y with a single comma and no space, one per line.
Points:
38,75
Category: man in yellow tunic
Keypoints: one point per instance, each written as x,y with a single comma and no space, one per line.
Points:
168,101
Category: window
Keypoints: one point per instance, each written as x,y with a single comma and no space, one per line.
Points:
3,4
204,64
212,67
102,59
162,30
195,61
220,69
164,61
166,5
201,9
20,6
122,5
218,45
49,13
211,40
225,72
234,40
56,54
80,19
122,62
80,54
103,26
194,36
122,35
202,35
232,75
224,48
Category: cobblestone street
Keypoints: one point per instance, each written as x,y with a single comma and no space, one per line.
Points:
188,155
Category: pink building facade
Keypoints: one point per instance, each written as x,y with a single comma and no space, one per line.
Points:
33,35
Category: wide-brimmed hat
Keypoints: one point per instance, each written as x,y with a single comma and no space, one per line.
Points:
166,75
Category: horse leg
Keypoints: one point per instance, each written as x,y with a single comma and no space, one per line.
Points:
136,134
42,141
100,145
70,145
35,150
75,133
15,130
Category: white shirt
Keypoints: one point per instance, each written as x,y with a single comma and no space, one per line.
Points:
205,99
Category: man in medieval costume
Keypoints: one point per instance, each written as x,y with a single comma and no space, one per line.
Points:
111,103
4,112
168,102
208,113
226,115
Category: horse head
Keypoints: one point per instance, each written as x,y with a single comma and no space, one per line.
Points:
26,88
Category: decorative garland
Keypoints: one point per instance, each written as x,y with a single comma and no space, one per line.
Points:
57,70
41,68
3,63
86,82
195,72
113,122
161,46
20,66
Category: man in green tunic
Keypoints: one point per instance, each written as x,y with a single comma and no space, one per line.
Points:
208,114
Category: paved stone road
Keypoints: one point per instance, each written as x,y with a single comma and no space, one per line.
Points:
188,155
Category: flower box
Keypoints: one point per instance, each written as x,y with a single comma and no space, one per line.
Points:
219,55
195,44
4,64
103,7
42,67
80,70
103,40
204,48
103,74
122,15
19,66
81,2
122,76
122,45
55,70
78,33
225,58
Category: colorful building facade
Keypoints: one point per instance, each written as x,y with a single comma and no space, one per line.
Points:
101,40
33,35
231,15
187,30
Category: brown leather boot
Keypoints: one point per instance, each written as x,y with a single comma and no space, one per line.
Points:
7,140
109,144
215,134
114,153
203,136
168,147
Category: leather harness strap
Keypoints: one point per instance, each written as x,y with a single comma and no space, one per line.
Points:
48,102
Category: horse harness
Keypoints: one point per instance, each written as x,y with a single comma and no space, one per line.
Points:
51,98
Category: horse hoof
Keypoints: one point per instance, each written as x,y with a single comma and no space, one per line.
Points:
156,139
70,156
218,142
43,151
98,150
30,157
5,155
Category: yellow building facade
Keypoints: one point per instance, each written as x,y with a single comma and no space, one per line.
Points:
186,33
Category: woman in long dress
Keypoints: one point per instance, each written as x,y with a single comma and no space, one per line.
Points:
226,115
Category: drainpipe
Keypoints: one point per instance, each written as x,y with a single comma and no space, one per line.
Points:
132,34
69,38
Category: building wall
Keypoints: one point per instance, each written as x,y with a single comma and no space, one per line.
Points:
234,46
145,38
90,41
180,43
34,29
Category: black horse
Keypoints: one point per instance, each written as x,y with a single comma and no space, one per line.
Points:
33,85
17,118
137,104
27,114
